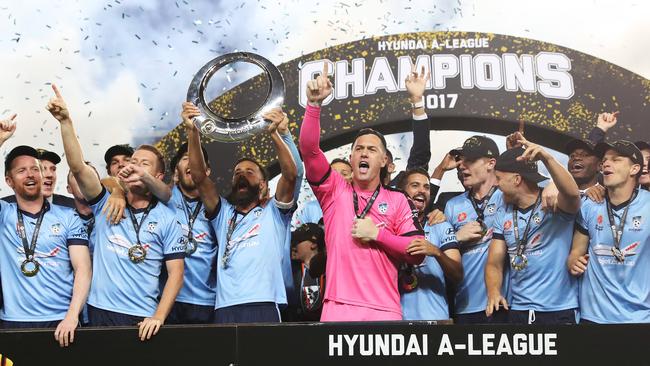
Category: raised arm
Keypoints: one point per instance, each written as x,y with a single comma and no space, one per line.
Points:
316,165
287,137
420,153
88,181
604,122
198,167
568,192
7,128
288,169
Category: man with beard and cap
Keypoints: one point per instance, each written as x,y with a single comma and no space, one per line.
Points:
533,242
611,244
472,215
423,287
367,226
195,302
46,284
116,158
128,256
251,230
644,179
49,160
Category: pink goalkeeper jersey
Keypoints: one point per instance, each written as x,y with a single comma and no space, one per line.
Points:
360,274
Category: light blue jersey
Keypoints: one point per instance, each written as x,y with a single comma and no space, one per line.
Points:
253,271
118,284
471,296
45,296
429,299
199,279
309,212
613,292
545,283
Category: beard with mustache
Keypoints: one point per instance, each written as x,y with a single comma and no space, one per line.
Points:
246,197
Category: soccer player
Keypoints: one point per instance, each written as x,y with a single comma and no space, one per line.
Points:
367,227
46,284
423,286
49,160
195,302
583,163
611,243
472,215
251,230
128,256
116,158
535,243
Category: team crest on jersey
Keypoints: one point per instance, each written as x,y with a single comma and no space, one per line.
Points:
151,226
56,229
636,222
462,216
507,225
491,209
383,208
537,219
258,213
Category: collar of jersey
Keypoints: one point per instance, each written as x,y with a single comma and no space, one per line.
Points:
35,216
153,202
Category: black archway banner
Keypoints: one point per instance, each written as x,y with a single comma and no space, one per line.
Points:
479,81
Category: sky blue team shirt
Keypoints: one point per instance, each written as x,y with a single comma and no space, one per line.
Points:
309,212
613,292
199,279
45,296
471,296
545,283
254,270
429,299
118,284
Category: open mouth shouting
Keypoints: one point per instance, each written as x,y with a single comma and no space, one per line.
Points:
576,168
420,201
364,167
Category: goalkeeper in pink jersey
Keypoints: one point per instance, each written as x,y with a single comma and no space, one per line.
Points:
367,226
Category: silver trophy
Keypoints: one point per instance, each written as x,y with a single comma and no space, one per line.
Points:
224,129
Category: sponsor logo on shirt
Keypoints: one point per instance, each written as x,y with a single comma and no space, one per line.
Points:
606,256
151,226
637,221
55,228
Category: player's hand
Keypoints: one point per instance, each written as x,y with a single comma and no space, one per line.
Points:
365,230
149,327
320,88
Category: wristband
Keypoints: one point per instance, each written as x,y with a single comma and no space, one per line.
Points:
419,104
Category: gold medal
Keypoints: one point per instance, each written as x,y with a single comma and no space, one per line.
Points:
30,267
137,253
519,262
191,246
